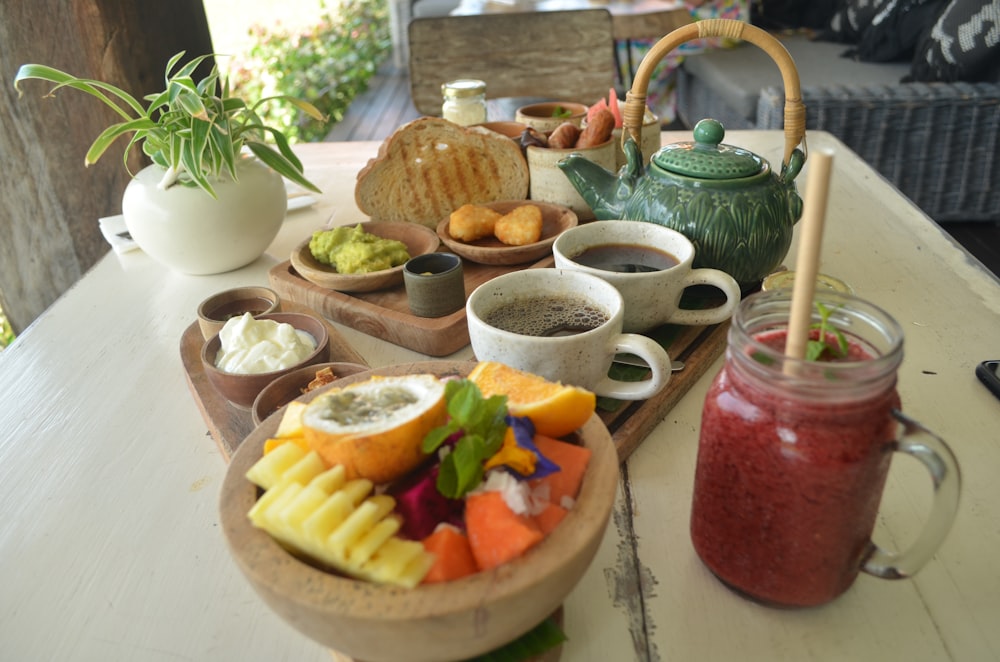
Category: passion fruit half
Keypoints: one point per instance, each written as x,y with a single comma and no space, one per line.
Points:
375,428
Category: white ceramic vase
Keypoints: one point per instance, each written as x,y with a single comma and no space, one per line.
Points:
188,230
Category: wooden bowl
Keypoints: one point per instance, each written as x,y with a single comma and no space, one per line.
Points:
241,390
489,250
286,388
418,240
215,311
434,622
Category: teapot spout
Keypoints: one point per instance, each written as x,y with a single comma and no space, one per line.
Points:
598,187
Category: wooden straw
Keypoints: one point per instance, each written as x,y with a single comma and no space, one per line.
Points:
807,263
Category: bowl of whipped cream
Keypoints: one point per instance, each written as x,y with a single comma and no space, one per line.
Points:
249,352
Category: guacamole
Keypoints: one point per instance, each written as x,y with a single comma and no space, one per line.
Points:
354,251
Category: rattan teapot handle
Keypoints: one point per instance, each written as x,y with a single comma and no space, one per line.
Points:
795,111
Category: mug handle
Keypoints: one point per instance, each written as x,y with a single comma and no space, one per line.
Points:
649,351
919,442
705,316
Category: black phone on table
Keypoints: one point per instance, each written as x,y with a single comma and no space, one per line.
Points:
989,374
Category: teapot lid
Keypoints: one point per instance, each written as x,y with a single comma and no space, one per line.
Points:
707,157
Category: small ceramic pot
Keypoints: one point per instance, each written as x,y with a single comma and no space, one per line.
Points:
542,116
215,311
435,284
550,184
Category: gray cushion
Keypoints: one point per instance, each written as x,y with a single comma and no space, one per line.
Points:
738,74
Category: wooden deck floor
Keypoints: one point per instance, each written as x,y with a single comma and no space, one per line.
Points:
386,105
376,113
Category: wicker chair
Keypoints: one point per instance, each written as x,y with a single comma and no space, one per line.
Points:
938,143
555,55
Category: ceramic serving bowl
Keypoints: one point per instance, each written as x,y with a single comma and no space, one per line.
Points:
490,250
214,311
241,390
434,622
547,115
291,385
418,239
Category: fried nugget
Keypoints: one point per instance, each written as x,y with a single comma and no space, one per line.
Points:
471,222
519,227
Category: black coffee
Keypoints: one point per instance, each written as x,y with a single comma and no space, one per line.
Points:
626,258
547,316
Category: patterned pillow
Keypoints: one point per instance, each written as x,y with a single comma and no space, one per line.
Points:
895,30
962,45
852,18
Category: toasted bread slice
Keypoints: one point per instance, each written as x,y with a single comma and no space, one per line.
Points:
430,167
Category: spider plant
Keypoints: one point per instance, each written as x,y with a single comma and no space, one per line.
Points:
194,130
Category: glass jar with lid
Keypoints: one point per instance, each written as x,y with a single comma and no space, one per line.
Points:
464,101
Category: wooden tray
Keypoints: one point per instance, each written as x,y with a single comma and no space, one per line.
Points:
227,423
385,314
698,347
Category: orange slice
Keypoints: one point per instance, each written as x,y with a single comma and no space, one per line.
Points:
554,408
375,428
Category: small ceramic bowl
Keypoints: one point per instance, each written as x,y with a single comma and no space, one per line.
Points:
214,311
548,115
490,250
289,386
453,620
241,390
418,239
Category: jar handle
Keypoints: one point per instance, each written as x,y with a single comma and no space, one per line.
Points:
919,442
795,110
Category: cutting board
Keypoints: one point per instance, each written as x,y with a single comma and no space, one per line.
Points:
385,314
227,423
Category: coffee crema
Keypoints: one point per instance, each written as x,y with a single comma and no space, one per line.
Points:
547,316
626,258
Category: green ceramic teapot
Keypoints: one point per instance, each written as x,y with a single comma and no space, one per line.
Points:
728,201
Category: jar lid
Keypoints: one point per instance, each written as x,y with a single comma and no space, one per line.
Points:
463,87
707,157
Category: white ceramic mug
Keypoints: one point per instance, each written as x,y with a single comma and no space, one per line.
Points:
651,298
537,301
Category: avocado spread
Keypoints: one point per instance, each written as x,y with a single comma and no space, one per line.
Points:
354,251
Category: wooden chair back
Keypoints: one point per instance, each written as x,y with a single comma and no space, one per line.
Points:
558,55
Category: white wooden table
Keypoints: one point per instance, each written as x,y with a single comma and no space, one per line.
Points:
110,547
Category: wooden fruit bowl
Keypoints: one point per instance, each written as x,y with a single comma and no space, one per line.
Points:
435,622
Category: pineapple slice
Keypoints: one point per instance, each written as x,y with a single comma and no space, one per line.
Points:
291,421
339,523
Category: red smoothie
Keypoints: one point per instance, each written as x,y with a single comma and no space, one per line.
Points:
789,479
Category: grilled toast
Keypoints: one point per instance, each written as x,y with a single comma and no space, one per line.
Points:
430,167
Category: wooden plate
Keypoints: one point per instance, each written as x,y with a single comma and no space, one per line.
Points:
418,240
481,612
489,250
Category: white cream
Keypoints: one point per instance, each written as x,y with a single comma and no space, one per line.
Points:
251,346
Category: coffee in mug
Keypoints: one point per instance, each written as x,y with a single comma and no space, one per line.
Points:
651,266
563,325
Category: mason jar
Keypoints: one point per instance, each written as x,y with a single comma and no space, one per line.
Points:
793,456
464,101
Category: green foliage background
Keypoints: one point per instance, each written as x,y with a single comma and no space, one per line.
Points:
327,65
6,333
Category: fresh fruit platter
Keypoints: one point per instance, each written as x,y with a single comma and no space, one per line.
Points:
431,511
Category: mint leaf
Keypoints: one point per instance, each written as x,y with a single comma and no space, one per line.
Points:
480,425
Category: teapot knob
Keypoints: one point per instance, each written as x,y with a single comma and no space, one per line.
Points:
709,132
